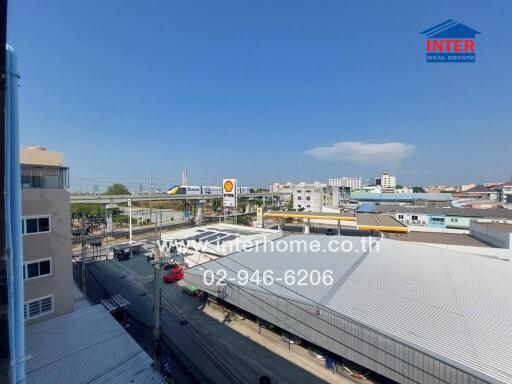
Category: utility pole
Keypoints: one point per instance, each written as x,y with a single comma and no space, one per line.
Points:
156,226
156,307
82,250
150,195
160,235
130,218
236,208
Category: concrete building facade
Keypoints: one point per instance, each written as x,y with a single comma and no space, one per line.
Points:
451,218
309,197
46,234
387,181
351,182
504,192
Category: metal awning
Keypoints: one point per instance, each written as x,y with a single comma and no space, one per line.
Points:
115,303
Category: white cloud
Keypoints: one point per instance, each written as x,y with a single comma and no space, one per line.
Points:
364,153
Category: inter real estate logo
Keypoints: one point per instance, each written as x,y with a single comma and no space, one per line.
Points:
450,42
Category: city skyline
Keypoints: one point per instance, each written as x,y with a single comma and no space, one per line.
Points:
293,94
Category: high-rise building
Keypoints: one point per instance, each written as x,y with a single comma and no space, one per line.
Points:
46,231
351,182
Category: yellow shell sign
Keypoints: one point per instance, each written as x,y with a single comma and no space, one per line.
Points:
228,186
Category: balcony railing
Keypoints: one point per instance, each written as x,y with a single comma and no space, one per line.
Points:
44,176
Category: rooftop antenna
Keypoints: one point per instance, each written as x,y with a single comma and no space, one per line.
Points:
184,177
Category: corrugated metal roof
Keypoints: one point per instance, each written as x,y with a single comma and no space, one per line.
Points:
85,346
495,213
379,222
114,303
79,299
433,196
455,306
261,258
479,189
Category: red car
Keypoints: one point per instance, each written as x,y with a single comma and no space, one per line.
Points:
175,274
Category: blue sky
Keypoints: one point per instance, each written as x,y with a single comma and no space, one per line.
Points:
263,90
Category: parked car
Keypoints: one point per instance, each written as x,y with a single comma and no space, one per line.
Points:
290,339
175,274
317,354
265,324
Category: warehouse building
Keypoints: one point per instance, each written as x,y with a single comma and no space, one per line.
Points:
454,217
412,313
430,199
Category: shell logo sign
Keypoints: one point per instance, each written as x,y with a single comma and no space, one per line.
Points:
229,193
228,186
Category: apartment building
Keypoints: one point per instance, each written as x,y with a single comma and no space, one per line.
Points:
309,197
386,181
350,182
46,234
504,192
279,187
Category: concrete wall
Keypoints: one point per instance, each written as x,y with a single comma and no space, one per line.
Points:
458,222
492,234
343,337
55,244
407,218
40,156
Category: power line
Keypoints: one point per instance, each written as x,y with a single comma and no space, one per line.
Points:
192,337
220,364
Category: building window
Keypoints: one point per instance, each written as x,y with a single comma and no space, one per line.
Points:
37,269
308,198
38,307
400,217
35,225
414,217
299,197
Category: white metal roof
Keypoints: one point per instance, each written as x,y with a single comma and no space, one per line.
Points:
455,306
85,346
262,258
222,239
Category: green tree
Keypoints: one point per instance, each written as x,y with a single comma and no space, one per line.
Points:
216,205
399,186
244,220
418,190
90,210
117,189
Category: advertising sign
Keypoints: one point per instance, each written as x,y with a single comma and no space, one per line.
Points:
229,193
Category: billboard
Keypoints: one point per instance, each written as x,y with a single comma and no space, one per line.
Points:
229,193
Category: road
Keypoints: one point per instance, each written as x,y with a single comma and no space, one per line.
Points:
208,351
